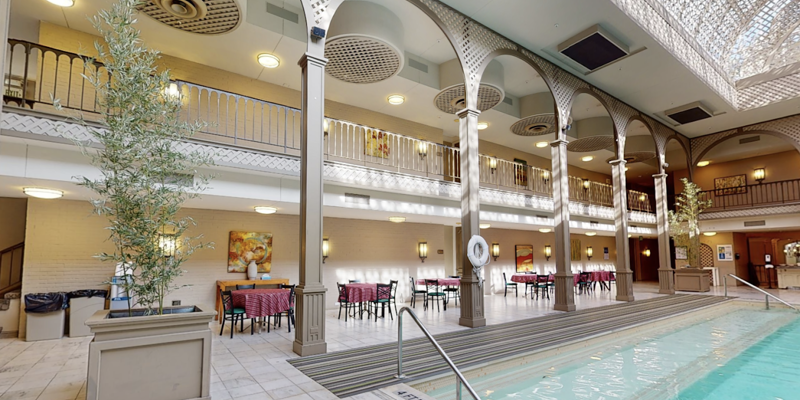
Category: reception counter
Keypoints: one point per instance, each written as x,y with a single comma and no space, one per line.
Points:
788,276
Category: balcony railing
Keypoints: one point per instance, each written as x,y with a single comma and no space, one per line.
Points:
36,71
758,195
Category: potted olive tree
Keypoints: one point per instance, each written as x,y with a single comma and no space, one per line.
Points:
149,350
684,228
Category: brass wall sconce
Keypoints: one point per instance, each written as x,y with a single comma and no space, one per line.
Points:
493,164
759,174
325,249
545,176
423,251
548,251
168,244
646,252
495,250
589,252
586,184
422,148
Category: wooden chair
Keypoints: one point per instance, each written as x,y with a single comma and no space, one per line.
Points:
453,291
383,298
508,285
434,293
415,292
229,312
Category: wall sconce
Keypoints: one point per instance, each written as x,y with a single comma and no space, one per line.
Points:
325,249
545,176
646,252
325,126
589,252
423,251
586,184
422,148
642,197
548,251
493,164
495,250
759,174
168,244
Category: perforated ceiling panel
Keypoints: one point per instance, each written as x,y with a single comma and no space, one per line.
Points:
535,125
451,99
208,17
591,143
636,157
361,59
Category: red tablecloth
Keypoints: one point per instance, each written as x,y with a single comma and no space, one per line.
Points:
360,292
529,278
261,302
443,282
597,276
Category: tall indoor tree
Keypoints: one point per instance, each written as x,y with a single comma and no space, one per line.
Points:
684,222
145,175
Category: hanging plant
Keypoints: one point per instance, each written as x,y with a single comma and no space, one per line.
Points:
145,177
684,222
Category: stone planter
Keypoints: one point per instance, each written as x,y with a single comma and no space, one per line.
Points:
164,357
691,280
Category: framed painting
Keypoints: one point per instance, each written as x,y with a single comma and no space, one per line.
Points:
728,185
681,253
575,250
244,247
521,172
377,144
724,252
524,255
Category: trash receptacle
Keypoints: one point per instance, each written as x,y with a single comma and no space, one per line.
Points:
82,305
45,315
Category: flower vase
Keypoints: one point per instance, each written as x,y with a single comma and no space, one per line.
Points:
252,270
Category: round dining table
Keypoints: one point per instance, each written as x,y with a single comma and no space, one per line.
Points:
443,281
361,292
597,276
529,278
262,302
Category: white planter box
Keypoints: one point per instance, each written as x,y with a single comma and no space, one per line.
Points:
159,357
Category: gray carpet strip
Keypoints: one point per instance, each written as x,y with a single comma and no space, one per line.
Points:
350,372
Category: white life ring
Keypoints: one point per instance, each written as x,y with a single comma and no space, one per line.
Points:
476,260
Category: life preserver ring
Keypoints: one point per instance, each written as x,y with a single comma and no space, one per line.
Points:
478,260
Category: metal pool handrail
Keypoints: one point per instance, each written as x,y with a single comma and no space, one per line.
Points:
459,377
767,294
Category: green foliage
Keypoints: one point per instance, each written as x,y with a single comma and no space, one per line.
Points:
143,176
684,225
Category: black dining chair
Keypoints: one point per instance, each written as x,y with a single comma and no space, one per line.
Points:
290,312
434,293
229,312
382,298
508,284
542,285
344,301
452,291
415,292
393,299
584,282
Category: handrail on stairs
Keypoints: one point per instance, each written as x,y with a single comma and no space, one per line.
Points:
459,377
767,295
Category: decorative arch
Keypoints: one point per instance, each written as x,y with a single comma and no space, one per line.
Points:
685,147
719,139
619,128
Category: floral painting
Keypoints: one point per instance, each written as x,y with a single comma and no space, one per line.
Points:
377,144
524,254
244,247
736,184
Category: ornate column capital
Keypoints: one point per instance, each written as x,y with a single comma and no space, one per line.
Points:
558,142
313,59
468,112
660,176
621,162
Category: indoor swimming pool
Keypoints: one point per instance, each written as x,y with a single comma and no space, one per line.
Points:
740,352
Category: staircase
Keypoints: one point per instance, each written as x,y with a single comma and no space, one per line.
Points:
10,285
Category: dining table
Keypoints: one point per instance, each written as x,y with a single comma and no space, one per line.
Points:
361,292
259,303
604,277
530,278
442,281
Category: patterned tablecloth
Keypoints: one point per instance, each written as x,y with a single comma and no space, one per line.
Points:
529,278
443,282
261,302
597,276
361,292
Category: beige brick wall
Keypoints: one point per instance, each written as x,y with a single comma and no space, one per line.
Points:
12,221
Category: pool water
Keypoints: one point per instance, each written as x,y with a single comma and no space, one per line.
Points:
665,365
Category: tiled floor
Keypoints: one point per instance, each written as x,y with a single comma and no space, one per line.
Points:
255,367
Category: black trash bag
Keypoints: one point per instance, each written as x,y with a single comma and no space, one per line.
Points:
88,293
42,303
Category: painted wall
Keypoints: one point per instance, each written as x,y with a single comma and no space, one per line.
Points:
779,167
12,221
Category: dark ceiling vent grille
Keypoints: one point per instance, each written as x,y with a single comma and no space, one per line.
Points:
755,223
750,139
689,113
593,48
353,198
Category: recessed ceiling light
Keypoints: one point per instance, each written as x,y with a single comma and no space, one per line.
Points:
41,193
269,60
587,158
265,209
397,220
484,226
482,125
703,163
709,233
545,230
591,233
63,3
396,99
541,144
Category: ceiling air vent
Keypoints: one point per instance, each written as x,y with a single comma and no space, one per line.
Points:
689,113
535,125
755,223
750,139
593,48
209,17
353,198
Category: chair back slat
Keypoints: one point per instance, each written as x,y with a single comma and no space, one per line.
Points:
432,285
227,299
342,292
384,291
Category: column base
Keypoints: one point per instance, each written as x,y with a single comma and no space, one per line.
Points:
310,330
471,303
624,286
666,281
565,293
309,349
472,322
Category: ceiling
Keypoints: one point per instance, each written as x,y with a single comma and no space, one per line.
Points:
651,80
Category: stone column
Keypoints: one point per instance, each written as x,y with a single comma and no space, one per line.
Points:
666,280
310,332
624,273
565,286
471,295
